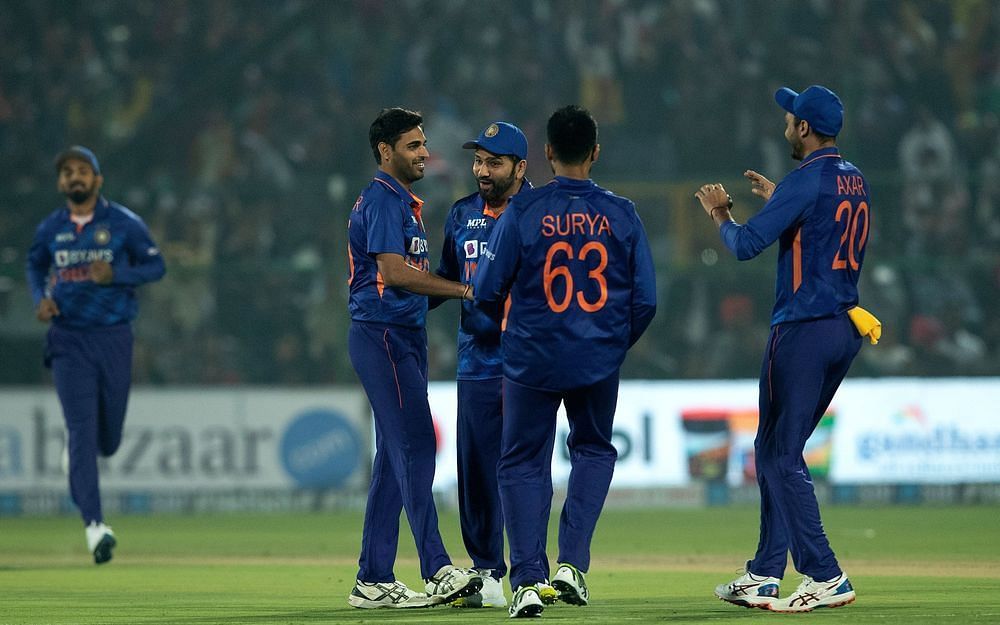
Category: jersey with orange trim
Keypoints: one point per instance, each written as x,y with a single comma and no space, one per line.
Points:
466,231
820,215
385,220
575,260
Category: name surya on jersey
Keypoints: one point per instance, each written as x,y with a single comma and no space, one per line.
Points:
575,223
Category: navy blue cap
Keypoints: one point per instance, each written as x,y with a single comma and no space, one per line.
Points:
81,153
501,139
817,105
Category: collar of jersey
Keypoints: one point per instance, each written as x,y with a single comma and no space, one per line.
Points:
572,182
393,184
820,153
99,209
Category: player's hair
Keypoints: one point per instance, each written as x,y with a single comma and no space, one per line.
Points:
819,135
389,126
572,134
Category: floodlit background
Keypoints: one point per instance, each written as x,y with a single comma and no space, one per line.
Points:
238,131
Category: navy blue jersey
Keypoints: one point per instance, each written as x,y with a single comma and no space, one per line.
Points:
466,231
385,220
59,265
575,260
820,214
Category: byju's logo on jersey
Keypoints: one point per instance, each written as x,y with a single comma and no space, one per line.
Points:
477,223
472,249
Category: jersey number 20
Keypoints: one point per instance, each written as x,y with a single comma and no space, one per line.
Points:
847,253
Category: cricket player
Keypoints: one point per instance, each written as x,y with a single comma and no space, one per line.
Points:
575,261
389,283
499,164
820,215
85,261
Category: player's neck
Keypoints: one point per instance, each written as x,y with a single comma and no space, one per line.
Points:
83,209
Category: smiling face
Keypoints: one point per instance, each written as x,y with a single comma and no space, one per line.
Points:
496,176
405,160
77,181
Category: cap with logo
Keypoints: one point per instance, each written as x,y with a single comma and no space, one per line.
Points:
81,153
817,105
502,139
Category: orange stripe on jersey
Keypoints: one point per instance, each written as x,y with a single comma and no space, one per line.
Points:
379,283
350,263
817,158
797,260
506,311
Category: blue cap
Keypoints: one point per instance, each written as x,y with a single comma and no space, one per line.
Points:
501,139
817,105
81,153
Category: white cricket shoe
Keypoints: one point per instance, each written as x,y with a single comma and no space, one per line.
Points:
749,590
571,585
100,541
386,595
451,582
489,596
812,594
526,603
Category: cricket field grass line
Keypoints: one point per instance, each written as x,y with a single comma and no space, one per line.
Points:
909,565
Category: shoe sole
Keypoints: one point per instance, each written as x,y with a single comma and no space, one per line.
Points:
474,586
102,552
836,604
743,603
529,611
568,593
368,604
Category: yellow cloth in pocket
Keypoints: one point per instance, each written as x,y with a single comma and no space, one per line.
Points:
866,323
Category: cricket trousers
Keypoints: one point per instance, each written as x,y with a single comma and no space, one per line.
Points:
525,472
92,371
391,362
804,365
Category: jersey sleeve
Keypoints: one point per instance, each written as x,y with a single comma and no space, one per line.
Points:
143,262
644,285
781,211
499,262
38,264
385,225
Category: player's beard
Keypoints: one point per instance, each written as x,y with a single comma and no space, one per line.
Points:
79,195
498,189
798,149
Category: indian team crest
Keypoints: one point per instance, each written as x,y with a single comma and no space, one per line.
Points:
491,131
102,236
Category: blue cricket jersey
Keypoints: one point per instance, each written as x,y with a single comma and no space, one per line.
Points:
466,231
821,215
575,260
385,220
59,260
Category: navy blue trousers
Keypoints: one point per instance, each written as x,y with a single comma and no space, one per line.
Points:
391,363
525,472
804,365
92,371
479,426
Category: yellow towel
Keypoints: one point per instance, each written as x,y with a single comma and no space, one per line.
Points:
866,323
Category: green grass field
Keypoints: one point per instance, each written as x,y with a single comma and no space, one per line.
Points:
908,565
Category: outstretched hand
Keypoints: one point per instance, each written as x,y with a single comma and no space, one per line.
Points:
759,185
712,197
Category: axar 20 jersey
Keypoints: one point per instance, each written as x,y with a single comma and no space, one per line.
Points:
59,260
385,220
575,260
466,231
821,215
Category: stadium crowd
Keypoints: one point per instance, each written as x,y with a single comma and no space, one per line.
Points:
237,130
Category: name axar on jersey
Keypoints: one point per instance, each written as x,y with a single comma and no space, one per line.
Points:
60,257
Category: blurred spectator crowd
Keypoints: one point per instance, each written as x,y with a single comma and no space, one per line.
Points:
238,131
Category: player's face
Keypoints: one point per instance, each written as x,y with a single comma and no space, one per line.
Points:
408,156
496,176
793,137
77,180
